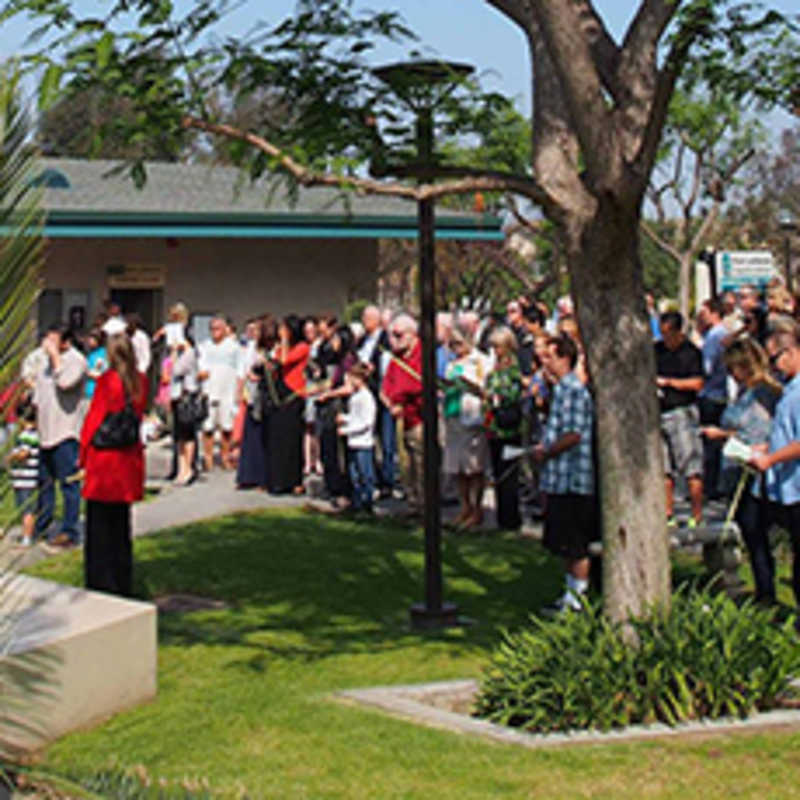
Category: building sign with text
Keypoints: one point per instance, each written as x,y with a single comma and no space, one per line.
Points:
737,268
136,276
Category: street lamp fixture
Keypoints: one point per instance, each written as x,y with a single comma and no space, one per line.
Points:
788,224
420,86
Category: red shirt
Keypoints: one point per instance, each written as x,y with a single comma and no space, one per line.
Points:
294,366
403,389
112,475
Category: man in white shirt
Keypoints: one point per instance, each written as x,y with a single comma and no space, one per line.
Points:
219,369
140,341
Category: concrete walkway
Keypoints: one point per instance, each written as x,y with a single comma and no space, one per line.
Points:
215,494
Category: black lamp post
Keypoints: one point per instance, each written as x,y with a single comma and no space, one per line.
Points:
788,224
420,85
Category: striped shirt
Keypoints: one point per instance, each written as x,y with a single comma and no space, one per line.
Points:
25,460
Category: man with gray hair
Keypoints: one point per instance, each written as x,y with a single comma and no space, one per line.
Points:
401,393
370,349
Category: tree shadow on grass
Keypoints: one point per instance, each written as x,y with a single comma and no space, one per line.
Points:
304,587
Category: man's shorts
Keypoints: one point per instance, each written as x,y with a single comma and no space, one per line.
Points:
221,415
683,447
571,522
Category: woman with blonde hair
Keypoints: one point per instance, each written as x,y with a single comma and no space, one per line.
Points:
749,419
466,452
114,471
503,406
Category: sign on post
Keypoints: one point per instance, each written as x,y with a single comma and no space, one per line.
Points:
737,268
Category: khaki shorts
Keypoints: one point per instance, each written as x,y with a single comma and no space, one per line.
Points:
221,415
466,450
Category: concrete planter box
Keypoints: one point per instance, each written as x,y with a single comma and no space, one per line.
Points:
428,703
75,658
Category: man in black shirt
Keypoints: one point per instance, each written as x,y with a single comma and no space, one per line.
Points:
679,371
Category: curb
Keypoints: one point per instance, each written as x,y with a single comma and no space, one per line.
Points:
407,702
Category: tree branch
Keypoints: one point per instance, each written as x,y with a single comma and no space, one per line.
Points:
581,89
663,244
697,175
468,180
515,10
699,238
605,52
638,69
666,79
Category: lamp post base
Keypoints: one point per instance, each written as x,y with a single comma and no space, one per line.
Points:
444,617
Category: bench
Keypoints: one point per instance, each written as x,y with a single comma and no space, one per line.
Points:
721,542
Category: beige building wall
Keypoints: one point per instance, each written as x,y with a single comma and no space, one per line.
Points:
241,277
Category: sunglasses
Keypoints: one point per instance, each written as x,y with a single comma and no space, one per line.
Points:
773,359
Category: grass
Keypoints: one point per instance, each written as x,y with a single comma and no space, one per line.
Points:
318,604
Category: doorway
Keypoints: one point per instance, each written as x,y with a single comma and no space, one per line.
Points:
147,303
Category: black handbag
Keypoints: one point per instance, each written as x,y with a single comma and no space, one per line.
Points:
191,408
119,429
508,417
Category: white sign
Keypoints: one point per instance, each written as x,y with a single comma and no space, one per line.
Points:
736,268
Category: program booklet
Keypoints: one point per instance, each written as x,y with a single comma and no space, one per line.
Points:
736,450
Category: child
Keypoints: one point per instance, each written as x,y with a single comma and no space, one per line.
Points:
24,463
358,425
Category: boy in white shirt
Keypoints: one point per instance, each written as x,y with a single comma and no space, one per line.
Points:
358,426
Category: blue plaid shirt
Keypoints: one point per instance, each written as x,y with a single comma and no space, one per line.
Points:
571,411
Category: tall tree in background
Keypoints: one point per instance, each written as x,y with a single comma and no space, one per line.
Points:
599,109
708,139
94,123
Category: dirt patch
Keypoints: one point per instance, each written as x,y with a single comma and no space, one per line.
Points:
184,603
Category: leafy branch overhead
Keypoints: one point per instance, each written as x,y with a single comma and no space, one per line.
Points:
327,112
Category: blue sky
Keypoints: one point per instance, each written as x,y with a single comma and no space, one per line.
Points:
462,30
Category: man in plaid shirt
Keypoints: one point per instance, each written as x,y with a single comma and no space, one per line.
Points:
567,477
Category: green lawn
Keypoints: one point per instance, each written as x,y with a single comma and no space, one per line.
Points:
316,605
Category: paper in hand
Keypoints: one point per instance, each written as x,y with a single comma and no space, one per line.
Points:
736,450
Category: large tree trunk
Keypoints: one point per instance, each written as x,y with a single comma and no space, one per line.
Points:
607,282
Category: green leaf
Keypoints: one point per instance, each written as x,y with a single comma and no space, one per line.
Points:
103,49
50,85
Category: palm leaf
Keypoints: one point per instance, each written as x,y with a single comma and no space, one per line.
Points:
21,255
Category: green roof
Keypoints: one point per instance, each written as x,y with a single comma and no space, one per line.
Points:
214,201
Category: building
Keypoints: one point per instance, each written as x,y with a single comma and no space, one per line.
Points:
209,237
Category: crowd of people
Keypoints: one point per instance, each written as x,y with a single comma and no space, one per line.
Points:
291,397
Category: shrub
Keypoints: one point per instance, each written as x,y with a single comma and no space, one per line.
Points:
707,658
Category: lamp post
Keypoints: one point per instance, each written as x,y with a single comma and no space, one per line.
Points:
420,85
788,224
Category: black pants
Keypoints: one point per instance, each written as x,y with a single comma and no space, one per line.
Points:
108,553
788,518
506,487
337,482
753,519
711,414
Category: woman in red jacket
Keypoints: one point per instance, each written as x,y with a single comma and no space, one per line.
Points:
114,477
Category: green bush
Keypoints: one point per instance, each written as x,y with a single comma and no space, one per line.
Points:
707,658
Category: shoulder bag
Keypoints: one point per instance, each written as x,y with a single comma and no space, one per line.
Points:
118,429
